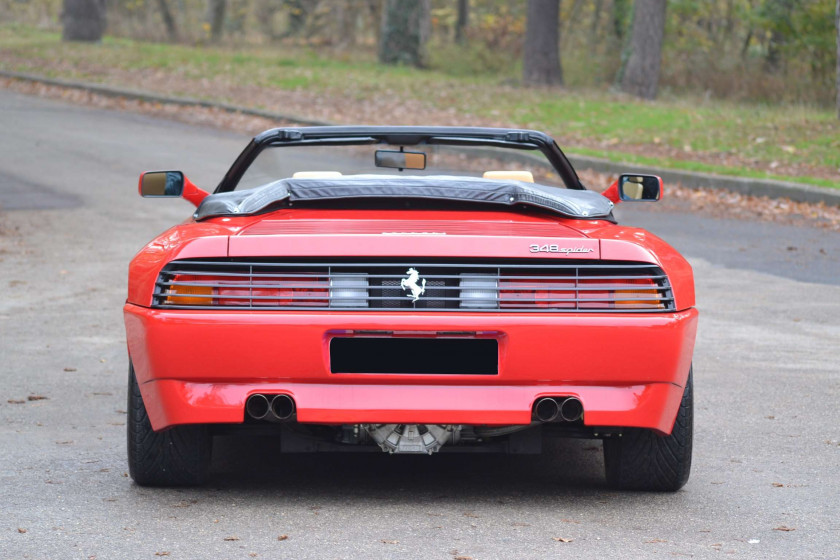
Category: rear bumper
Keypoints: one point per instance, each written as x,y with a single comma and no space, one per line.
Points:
200,366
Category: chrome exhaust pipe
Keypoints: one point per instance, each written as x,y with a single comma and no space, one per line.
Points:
257,407
546,409
571,410
282,408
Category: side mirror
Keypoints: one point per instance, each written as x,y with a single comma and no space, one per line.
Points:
162,184
639,188
170,184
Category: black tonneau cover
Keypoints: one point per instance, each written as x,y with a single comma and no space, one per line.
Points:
571,203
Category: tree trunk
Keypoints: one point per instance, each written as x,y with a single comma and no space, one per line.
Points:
837,22
572,21
406,25
216,18
345,14
541,55
84,20
619,18
640,76
778,12
593,28
168,20
463,21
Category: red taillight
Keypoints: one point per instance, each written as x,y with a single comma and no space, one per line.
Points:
580,293
537,292
232,291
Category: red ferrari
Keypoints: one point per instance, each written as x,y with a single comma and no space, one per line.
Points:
409,290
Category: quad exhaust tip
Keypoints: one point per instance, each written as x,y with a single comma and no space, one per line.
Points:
571,410
546,410
257,407
271,408
282,407
552,409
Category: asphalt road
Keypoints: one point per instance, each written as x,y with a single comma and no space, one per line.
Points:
764,482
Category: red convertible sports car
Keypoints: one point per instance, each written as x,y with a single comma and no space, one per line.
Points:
410,290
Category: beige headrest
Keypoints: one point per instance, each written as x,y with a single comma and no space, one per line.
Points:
633,190
315,174
525,176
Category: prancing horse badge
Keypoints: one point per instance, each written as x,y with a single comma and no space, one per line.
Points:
411,283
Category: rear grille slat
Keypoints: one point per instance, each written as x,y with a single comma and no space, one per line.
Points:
530,286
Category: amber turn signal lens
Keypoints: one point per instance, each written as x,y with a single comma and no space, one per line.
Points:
189,295
651,302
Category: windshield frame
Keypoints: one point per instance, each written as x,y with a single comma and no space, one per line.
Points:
516,139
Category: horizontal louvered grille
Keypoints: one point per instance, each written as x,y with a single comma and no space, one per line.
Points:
538,286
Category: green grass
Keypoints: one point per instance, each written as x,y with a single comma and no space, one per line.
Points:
696,131
701,167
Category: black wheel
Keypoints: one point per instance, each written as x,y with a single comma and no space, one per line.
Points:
644,460
178,456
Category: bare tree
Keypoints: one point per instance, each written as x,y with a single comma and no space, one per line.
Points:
345,13
837,24
640,74
620,9
216,18
406,25
168,20
541,55
83,20
462,22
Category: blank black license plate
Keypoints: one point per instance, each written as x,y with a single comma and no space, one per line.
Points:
446,356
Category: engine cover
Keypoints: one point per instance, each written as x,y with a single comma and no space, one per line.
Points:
412,438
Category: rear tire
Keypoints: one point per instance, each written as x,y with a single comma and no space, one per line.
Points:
644,460
178,456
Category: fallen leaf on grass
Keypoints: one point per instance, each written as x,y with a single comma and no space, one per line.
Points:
784,528
383,541
231,538
36,398
282,537
561,539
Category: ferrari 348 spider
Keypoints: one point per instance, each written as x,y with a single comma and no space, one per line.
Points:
409,290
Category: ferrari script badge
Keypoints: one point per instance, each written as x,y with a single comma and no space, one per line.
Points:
411,283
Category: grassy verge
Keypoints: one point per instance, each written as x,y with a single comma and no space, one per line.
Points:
781,142
701,167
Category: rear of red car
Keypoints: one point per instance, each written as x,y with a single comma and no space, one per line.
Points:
411,331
